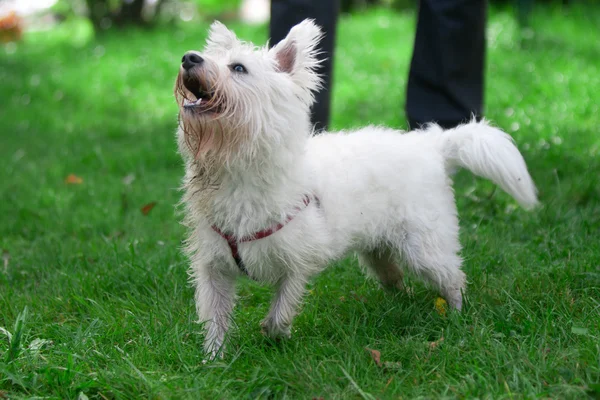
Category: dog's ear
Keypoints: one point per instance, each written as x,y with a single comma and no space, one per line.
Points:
219,37
297,54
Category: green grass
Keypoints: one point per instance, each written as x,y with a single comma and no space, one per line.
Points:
105,289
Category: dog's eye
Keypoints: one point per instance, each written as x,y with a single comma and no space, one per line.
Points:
239,68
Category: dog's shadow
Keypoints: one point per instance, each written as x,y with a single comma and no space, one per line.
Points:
343,308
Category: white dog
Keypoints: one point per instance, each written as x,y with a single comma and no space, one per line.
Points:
266,199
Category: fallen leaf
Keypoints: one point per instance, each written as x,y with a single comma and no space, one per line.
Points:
441,306
434,345
147,208
375,355
73,179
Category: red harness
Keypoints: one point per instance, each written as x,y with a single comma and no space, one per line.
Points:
233,242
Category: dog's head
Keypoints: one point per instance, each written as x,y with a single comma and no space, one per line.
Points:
233,94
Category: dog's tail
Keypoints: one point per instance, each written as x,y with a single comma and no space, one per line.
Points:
488,152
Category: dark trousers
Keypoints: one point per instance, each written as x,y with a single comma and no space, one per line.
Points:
287,13
445,82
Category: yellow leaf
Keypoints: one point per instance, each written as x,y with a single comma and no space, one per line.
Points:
441,306
73,179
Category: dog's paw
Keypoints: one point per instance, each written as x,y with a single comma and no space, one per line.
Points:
213,352
275,331
212,357
454,298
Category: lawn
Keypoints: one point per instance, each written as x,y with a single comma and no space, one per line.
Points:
94,289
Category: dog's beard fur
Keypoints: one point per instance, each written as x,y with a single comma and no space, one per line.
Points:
250,161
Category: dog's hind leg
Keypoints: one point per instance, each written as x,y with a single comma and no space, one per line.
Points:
433,255
383,264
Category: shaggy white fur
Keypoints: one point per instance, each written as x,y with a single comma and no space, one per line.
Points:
250,159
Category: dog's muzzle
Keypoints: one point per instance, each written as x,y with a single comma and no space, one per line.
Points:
190,60
201,99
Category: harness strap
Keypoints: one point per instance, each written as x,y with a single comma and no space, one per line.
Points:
233,242
234,249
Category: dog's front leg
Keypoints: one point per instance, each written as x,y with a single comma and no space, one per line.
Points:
215,298
285,305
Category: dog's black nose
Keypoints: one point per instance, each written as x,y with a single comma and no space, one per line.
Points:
190,60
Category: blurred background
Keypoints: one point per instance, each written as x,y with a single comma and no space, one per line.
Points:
105,14
87,115
86,90
89,178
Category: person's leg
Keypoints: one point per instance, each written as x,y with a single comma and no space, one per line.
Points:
287,13
446,79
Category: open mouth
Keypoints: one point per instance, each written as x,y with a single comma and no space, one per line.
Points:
201,100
